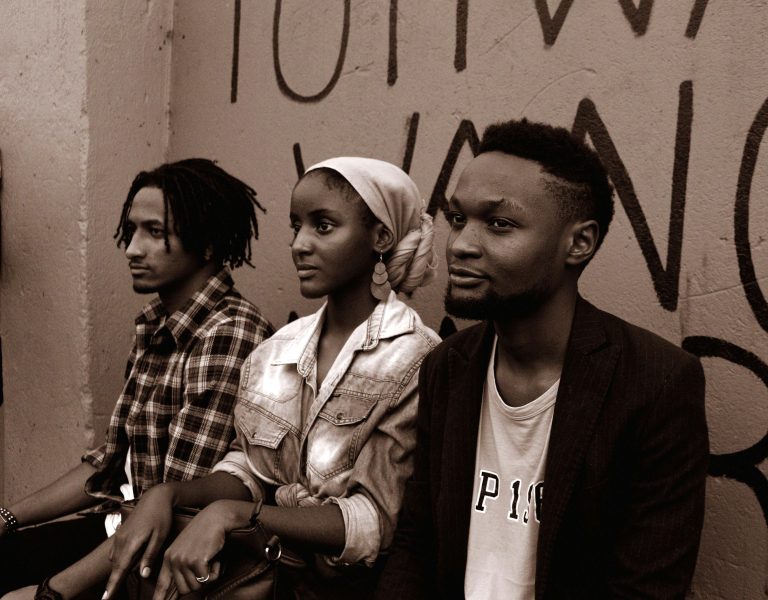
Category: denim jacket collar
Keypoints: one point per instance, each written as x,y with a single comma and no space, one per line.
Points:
389,319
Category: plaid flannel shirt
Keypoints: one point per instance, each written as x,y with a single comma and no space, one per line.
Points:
175,410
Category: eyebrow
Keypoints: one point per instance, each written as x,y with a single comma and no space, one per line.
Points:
145,222
320,212
488,205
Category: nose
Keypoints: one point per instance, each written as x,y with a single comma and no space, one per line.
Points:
134,249
464,241
300,246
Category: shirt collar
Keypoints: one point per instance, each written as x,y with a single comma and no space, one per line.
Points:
389,319
183,323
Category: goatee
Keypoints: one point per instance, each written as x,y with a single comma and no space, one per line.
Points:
492,306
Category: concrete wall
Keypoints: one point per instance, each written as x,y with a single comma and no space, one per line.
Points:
672,95
43,137
83,107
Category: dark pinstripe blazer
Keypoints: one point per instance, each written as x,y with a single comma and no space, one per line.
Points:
624,485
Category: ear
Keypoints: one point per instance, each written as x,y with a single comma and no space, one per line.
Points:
583,237
208,254
383,239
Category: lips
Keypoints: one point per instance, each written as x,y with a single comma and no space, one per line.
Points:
137,269
464,277
304,270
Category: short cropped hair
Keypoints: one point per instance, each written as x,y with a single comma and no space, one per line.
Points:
212,210
580,182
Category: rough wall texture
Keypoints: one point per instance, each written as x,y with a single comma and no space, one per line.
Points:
43,134
128,52
83,107
672,95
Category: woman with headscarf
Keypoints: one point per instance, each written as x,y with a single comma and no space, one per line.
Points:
325,417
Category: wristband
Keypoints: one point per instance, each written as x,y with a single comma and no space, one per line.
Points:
9,520
45,592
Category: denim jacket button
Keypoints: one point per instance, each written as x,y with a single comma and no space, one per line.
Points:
340,416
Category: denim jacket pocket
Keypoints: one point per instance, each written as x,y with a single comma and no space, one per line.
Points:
278,383
264,437
338,431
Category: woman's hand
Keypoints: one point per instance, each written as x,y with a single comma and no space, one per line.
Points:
27,593
189,561
147,530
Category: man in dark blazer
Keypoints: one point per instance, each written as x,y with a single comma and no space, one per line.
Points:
547,392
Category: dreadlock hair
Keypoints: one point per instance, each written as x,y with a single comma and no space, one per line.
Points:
212,210
579,183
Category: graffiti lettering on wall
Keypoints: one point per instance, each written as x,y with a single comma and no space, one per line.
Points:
638,17
741,465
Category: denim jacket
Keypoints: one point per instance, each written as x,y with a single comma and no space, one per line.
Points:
355,446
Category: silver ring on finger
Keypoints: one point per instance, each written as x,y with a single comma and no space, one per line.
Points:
203,579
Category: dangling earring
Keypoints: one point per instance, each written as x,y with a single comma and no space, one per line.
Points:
380,287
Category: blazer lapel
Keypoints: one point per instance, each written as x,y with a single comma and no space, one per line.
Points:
467,369
587,372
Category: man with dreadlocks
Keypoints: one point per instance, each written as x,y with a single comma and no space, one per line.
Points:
183,226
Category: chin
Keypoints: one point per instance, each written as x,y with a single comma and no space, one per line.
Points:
466,306
493,306
143,288
311,292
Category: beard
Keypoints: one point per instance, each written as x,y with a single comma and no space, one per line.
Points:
494,307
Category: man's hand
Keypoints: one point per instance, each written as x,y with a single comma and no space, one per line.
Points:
189,562
144,533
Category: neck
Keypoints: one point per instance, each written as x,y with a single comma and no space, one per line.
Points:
539,340
346,309
174,297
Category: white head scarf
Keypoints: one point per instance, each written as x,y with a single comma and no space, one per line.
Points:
394,200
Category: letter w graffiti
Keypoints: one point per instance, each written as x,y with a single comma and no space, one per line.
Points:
666,281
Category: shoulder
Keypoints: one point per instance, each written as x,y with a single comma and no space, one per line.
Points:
466,342
287,339
420,335
235,316
647,363
395,347
642,345
290,331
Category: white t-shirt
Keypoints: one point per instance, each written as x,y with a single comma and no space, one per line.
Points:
112,520
508,489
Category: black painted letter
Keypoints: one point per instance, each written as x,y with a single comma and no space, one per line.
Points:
282,84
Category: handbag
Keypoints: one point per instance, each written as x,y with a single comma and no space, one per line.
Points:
248,562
